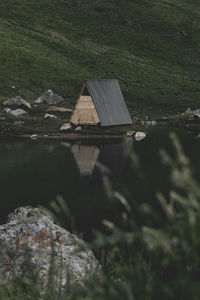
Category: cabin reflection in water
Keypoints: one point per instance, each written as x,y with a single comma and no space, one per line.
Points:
113,156
86,157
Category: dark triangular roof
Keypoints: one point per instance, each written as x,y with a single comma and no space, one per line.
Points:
109,102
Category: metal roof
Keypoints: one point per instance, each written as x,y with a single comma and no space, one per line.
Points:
109,102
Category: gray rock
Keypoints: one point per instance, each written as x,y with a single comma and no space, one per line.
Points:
184,33
191,112
2,118
49,98
18,112
65,126
151,123
192,115
196,116
78,128
130,133
49,116
188,111
30,236
18,101
18,123
7,110
140,135
34,136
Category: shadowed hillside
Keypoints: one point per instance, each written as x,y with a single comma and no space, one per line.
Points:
152,47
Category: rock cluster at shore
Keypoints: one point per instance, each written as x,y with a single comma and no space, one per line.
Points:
136,135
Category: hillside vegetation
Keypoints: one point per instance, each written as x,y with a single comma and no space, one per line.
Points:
151,46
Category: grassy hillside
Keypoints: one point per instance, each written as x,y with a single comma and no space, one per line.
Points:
151,46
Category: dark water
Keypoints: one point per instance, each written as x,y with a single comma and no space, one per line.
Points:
33,173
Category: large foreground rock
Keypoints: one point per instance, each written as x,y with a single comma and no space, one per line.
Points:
17,101
30,236
49,97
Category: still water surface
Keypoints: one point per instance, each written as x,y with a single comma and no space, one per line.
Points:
34,173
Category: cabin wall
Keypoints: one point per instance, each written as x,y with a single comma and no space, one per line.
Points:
85,112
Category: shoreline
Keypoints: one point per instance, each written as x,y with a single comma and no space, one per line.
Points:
192,128
65,137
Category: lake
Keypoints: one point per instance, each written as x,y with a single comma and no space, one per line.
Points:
35,173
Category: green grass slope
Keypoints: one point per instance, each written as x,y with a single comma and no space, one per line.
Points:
151,46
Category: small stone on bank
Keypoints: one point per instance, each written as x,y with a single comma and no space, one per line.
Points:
7,110
34,136
130,133
18,123
49,116
65,126
140,135
151,123
18,112
78,128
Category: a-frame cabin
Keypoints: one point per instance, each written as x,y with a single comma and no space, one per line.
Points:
101,102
